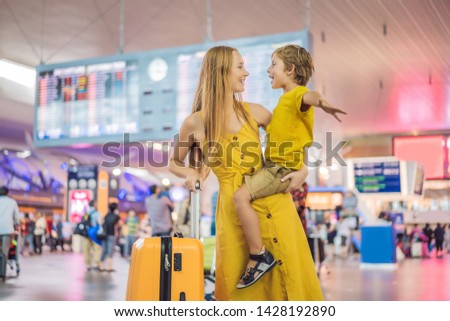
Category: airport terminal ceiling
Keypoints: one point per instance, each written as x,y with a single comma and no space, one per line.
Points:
385,62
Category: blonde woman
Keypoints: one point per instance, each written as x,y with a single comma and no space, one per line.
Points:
226,130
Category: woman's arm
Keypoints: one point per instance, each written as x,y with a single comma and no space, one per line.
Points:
183,142
261,115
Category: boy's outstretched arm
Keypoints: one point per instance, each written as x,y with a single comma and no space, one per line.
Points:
313,98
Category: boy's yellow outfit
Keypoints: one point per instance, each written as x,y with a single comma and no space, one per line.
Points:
287,134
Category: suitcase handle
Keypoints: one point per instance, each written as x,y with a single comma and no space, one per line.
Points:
195,211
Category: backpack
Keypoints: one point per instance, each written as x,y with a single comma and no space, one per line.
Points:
83,227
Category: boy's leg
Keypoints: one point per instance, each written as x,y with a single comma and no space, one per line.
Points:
249,219
260,260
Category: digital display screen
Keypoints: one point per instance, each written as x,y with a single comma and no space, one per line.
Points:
323,200
146,95
88,101
377,177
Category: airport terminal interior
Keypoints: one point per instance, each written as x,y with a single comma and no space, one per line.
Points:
94,92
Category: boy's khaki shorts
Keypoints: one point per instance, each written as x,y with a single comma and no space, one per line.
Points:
267,180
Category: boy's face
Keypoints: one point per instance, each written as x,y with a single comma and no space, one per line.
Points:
238,73
278,73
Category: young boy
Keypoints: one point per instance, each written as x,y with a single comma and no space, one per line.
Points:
290,130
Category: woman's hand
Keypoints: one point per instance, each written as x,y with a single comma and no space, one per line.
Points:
297,179
190,181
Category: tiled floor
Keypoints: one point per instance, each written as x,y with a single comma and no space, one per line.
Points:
411,280
62,276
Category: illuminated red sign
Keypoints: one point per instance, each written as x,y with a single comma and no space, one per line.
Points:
79,204
430,151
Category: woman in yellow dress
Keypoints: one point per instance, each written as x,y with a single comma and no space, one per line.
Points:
226,130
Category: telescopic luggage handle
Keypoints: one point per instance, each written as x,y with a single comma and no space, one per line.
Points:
195,212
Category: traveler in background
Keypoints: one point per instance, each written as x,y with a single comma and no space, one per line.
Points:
299,198
164,192
429,234
9,219
49,233
91,249
59,232
110,227
27,231
159,212
132,224
144,227
39,233
439,235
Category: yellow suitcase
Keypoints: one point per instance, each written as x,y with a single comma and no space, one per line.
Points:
168,268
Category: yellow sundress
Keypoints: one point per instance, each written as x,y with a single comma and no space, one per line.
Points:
294,277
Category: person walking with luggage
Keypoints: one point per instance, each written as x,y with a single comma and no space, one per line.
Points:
9,219
224,132
159,211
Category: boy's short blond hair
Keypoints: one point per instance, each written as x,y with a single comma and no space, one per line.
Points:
293,55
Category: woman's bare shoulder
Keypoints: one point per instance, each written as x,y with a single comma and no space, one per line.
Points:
193,121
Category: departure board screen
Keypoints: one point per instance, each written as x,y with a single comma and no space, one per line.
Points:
88,101
146,95
378,177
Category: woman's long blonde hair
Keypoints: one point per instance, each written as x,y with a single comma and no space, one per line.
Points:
213,85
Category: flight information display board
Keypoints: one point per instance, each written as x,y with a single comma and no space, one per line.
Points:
146,95
88,101
377,177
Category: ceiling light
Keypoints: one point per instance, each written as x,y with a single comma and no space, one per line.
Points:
324,171
24,154
334,167
157,146
23,75
165,181
116,171
178,193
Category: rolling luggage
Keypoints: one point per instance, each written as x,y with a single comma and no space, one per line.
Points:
168,268
13,260
419,249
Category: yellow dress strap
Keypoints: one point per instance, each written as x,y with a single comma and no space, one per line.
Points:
253,122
